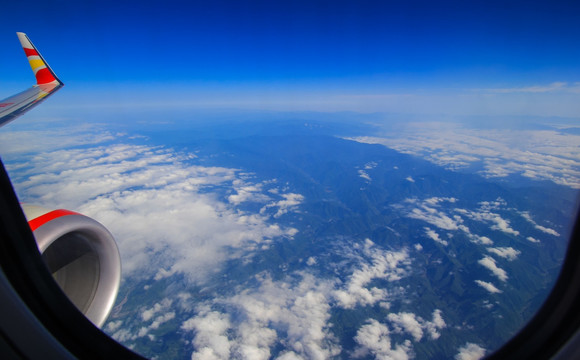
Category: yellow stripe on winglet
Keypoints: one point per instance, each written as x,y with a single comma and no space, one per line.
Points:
36,63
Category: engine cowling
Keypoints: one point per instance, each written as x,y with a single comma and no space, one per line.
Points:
82,257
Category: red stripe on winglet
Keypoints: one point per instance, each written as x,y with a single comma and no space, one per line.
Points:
29,52
43,219
44,76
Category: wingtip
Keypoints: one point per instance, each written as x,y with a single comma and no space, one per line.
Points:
42,71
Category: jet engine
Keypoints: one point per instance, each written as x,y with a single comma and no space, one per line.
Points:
82,257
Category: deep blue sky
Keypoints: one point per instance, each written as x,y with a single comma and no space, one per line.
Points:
299,50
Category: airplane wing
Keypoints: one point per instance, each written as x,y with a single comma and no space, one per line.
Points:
47,83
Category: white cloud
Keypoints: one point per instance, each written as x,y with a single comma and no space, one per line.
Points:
547,230
247,192
159,314
163,305
371,165
536,154
435,237
407,322
426,211
113,326
503,225
470,351
435,324
410,179
363,174
429,210
437,200
295,312
299,313
415,325
483,214
474,238
290,202
291,315
211,339
526,215
153,201
489,263
531,239
161,319
373,338
505,252
488,286
383,264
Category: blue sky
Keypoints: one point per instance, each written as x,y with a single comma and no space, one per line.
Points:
398,56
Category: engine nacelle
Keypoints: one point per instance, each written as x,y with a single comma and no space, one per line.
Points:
81,255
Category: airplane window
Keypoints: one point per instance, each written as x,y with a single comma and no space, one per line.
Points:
305,181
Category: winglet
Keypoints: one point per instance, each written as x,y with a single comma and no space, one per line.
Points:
46,84
43,72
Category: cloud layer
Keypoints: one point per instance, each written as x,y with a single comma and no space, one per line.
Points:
535,154
156,204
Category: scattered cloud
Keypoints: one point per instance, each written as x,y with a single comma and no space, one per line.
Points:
297,312
147,314
289,203
488,286
211,340
156,315
435,237
435,324
247,193
406,322
370,165
505,252
526,215
484,214
490,264
429,210
474,238
415,325
363,174
374,339
535,154
438,200
470,351
426,211
381,264
410,179
531,239
113,326
547,230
